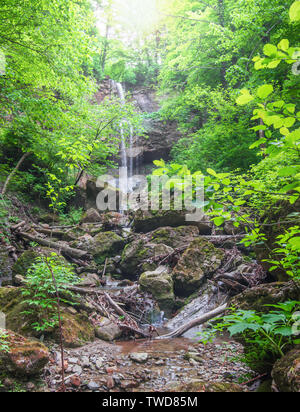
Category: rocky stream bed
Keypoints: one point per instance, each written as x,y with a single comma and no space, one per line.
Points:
149,276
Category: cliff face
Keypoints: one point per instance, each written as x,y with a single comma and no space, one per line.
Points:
160,136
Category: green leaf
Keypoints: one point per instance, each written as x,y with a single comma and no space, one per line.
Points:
270,50
295,11
212,172
245,98
218,221
264,91
288,171
284,45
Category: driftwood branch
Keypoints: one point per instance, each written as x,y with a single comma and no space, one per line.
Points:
195,322
75,253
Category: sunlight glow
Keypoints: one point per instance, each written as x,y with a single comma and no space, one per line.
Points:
140,15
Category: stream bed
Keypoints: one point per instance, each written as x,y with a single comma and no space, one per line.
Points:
155,366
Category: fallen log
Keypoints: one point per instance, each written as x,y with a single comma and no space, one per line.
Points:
74,253
56,233
84,291
116,307
195,322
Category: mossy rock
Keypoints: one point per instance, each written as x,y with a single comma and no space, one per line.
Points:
147,221
175,237
160,284
91,216
28,258
286,372
138,255
106,244
200,261
259,296
24,358
77,329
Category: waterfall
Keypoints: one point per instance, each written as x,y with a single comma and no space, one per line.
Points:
126,153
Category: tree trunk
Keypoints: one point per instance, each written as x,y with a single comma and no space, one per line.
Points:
195,322
25,155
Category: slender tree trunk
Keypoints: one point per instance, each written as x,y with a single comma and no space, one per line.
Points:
25,155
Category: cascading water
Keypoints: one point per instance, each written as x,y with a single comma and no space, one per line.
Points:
126,153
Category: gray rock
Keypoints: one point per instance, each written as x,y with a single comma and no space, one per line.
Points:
139,357
93,386
77,369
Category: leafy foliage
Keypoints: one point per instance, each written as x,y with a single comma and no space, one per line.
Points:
4,345
40,290
268,336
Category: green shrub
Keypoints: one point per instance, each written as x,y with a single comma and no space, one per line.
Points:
40,290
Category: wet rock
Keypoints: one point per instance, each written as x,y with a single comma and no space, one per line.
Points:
137,253
91,216
286,372
267,294
160,284
206,299
139,357
107,330
24,357
198,262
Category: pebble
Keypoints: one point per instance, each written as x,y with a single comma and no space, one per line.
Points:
77,369
93,386
139,357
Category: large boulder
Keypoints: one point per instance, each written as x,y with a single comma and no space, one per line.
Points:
286,372
106,244
77,328
28,258
200,261
175,237
24,357
107,330
259,296
140,256
91,216
101,246
147,221
160,284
